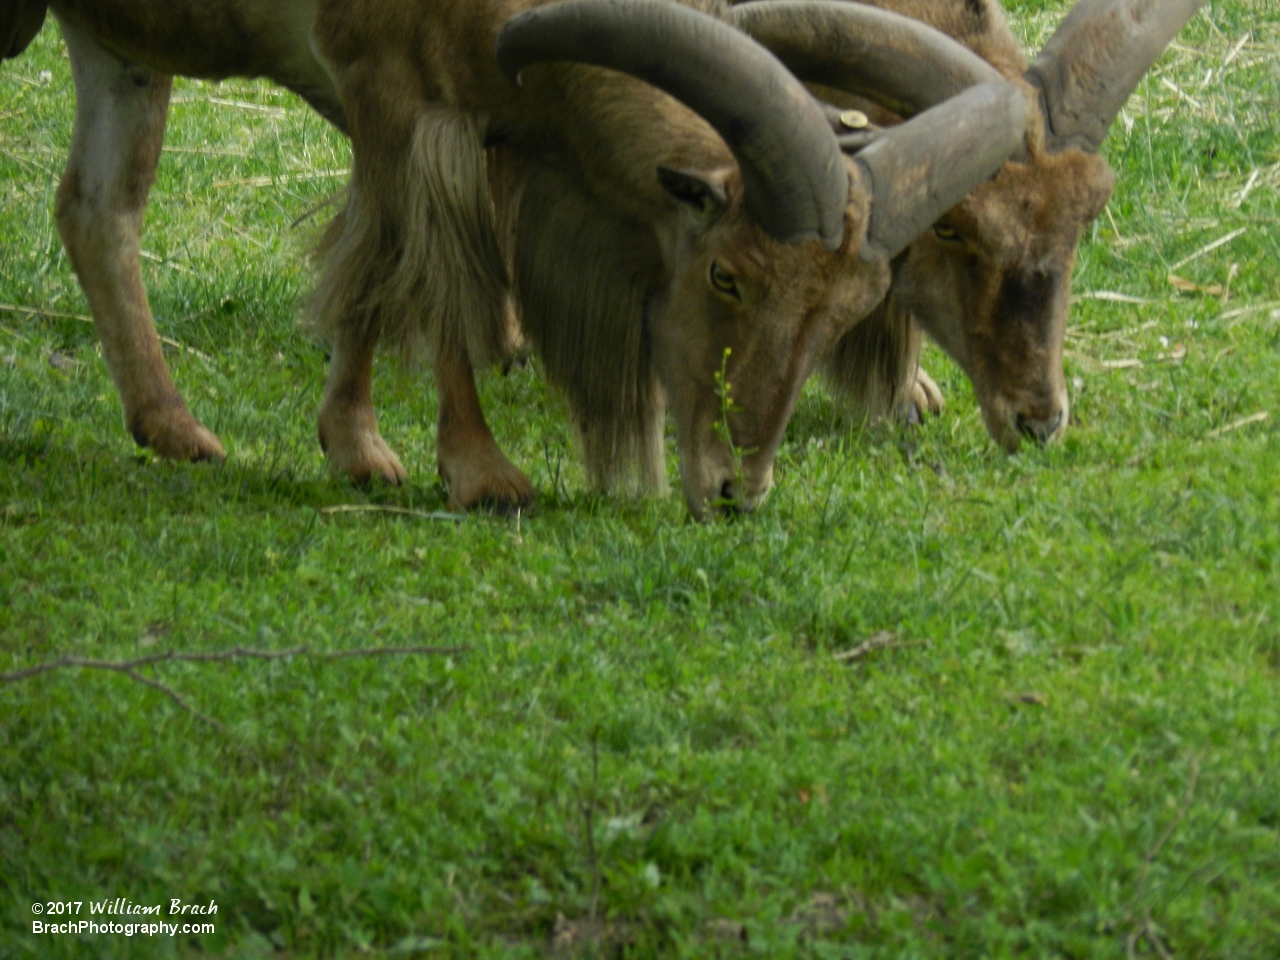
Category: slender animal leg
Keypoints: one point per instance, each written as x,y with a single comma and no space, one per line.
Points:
348,424
470,462
119,126
414,261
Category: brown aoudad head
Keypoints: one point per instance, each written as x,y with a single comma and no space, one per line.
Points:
990,281
771,251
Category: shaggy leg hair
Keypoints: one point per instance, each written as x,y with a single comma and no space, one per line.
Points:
872,368
581,286
414,260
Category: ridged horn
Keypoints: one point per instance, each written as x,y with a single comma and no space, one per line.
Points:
794,176
899,63
918,170
1095,59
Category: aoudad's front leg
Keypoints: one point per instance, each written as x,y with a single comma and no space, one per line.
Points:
469,459
348,426
115,147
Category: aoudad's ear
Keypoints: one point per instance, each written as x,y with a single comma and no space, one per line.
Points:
703,192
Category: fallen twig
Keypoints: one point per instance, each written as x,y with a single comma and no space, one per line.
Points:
219,656
1146,928
130,667
176,697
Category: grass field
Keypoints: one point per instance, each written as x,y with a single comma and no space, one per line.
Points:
654,736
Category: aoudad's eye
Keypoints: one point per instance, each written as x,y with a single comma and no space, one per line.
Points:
723,280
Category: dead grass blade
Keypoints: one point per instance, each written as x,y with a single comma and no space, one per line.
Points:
884,640
1183,285
1210,247
1176,354
84,318
1235,50
1253,418
334,199
282,178
1239,313
275,113
1244,191
1110,296
397,511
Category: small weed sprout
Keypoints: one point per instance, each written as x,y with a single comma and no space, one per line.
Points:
724,393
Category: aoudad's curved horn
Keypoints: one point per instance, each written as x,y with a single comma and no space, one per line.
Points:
899,63
918,170
794,176
1095,59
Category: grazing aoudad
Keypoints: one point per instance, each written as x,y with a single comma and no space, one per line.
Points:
665,205
991,281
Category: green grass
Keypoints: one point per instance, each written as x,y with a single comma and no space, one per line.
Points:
1075,752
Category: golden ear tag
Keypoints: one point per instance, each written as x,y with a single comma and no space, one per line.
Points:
854,119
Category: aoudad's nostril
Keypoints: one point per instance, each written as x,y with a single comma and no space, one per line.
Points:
726,491
1038,430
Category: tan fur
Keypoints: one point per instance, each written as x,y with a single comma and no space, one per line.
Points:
427,277
582,304
119,129
615,265
873,367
